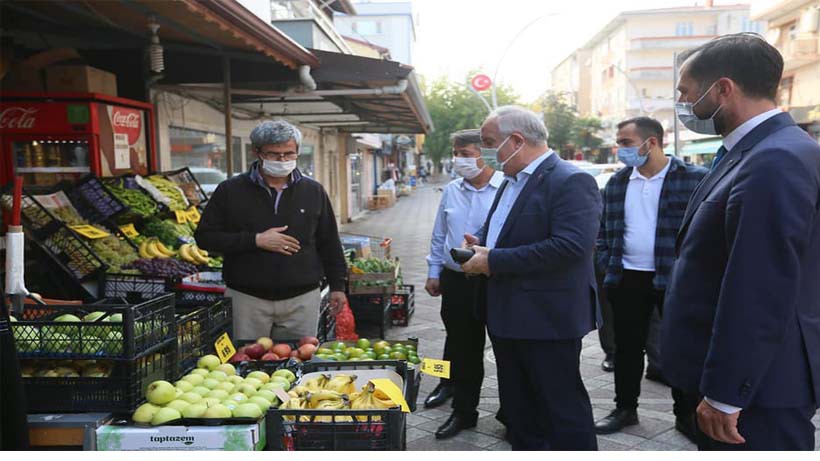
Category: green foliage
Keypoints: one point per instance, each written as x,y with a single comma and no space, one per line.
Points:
454,107
567,131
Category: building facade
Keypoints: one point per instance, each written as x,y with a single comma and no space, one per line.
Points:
388,25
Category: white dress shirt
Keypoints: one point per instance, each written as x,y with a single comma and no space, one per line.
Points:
463,209
508,198
641,219
729,142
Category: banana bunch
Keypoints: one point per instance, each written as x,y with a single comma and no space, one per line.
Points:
300,391
370,399
328,400
194,255
152,248
343,384
318,383
295,404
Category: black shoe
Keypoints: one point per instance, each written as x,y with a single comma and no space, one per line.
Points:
440,394
454,425
686,426
655,375
617,420
608,365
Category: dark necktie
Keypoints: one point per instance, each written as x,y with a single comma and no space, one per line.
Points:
720,153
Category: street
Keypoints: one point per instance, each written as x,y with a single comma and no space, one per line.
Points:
409,223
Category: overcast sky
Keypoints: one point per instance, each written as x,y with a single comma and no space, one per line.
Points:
454,36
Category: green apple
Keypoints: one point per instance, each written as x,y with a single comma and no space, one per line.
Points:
190,397
218,375
226,368
363,343
195,410
209,401
27,338
209,362
226,386
231,404
201,390
113,343
210,383
115,318
254,382
239,397
145,413
261,402
247,410
92,317
178,391
165,415
177,405
194,379
218,394
246,389
54,341
260,375
185,386
218,411
267,395
236,379
285,373
160,392
201,372
275,385
279,379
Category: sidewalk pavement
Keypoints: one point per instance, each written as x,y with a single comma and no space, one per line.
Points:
409,223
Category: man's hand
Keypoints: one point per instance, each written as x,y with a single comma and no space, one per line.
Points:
469,241
433,287
479,263
337,302
718,425
275,241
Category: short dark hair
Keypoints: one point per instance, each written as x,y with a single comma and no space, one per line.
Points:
746,58
646,127
466,137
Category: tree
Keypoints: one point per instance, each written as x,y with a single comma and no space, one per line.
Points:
583,133
560,119
453,107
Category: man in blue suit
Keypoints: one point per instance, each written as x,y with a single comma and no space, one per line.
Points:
538,291
741,327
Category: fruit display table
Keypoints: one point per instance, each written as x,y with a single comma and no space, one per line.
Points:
65,431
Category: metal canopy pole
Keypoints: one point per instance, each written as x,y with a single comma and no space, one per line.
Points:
226,85
674,93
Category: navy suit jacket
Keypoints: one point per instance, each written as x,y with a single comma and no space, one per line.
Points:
542,282
741,321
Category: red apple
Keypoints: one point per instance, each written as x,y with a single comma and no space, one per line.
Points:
241,350
294,354
239,357
282,350
255,351
267,343
306,351
270,357
309,340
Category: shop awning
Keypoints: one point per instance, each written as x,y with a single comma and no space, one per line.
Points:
708,146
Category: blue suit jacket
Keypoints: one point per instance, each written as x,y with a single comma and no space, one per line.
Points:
741,321
543,281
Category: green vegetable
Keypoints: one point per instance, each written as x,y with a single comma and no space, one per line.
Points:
134,199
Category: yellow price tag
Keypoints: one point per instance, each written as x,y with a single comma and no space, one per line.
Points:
392,391
193,215
129,231
182,216
437,368
224,347
89,231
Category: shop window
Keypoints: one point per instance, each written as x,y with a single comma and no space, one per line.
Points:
684,29
305,161
195,148
785,92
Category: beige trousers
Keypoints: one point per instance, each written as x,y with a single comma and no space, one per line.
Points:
291,318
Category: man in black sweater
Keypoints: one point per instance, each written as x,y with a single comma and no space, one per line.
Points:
278,234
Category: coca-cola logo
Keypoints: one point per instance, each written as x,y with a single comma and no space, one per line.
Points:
127,121
18,117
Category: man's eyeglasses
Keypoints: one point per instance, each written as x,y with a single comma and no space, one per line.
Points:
278,156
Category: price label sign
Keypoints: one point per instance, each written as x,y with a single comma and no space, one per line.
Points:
182,216
392,391
89,231
129,231
224,348
437,368
193,215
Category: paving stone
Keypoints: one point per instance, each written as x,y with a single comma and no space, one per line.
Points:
623,438
430,443
414,419
503,446
648,427
652,445
414,434
478,439
490,426
609,445
673,437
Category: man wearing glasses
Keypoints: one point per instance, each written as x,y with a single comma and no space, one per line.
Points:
278,234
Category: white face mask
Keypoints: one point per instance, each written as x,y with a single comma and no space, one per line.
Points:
278,169
466,167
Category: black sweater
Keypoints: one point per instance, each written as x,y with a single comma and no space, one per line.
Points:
244,206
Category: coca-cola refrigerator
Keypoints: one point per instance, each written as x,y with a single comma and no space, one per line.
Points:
49,138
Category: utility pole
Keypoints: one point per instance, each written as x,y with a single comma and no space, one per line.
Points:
674,90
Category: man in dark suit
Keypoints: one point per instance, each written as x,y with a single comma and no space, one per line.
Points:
538,297
741,326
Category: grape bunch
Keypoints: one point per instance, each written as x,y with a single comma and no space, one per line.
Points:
168,267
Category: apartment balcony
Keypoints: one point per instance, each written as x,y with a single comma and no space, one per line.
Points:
651,73
800,51
668,43
306,24
650,105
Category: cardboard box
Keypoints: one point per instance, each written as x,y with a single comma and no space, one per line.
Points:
246,437
80,79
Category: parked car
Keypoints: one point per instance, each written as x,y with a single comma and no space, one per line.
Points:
600,171
208,178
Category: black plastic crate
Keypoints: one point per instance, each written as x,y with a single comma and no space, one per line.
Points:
380,430
71,253
93,201
130,215
120,392
403,305
142,328
34,216
372,309
327,321
133,288
188,183
193,338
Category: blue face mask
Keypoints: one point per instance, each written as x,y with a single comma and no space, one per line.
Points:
631,156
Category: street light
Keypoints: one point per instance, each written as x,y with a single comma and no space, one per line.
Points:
509,45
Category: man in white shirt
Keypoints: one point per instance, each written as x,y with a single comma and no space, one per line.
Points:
463,209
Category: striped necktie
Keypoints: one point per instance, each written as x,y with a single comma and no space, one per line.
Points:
720,153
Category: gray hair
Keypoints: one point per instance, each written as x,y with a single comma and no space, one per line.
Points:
275,132
466,137
516,118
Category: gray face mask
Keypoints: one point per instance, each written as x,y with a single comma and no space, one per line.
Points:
686,114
